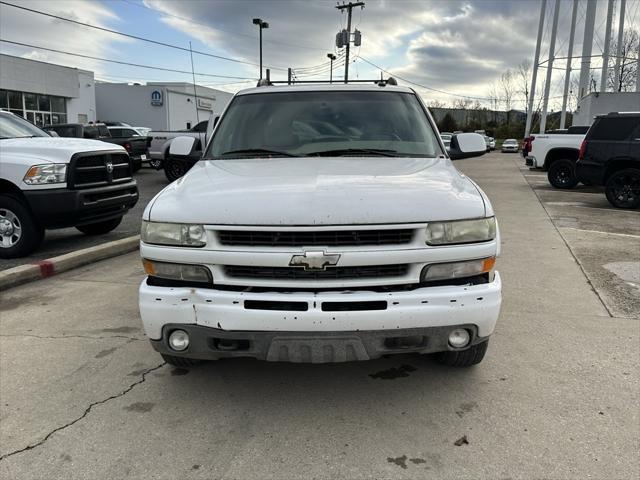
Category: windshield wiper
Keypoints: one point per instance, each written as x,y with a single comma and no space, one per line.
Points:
350,151
256,152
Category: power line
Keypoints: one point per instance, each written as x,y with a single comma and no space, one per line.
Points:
120,62
423,86
135,37
231,32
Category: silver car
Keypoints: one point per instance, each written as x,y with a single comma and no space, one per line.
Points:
510,145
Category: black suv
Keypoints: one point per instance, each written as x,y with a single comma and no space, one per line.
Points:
610,156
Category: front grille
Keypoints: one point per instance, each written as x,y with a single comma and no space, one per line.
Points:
331,273
89,170
338,238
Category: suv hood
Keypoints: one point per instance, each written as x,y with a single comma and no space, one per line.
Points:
318,191
51,149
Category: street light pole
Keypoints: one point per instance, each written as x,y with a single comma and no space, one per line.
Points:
331,57
261,25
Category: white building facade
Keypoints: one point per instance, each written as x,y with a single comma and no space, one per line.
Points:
603,103
159,106
45,93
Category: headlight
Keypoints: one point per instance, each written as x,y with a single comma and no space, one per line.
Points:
448,271
461,231
177,271
46,174
178,234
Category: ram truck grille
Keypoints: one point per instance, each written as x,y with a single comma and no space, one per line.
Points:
331,273
96,170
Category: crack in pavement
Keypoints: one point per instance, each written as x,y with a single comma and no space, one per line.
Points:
84,414
54,337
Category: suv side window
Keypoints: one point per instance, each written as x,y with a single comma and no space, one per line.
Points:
614,129
201,127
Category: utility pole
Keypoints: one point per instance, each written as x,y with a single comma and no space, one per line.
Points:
605,52
567,74
616,74
552,53
587,46
349,7
262,25
534,76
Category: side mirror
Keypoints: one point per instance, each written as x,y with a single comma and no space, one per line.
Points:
182,147
467,145
52,133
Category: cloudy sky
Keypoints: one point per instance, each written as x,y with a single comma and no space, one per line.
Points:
459,47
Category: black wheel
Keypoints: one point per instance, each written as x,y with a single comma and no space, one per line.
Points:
20,233
623,188
180,361
100,227
562,174
174,169
464,358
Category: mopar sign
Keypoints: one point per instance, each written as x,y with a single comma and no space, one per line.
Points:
156,98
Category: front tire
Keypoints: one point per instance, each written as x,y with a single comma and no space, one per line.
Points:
174,169
180,362
464,358
100,228
20,233
562,174
623,188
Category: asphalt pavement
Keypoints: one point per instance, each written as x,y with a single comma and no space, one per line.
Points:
83,395
65,240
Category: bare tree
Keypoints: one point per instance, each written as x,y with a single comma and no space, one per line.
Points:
628,64
436,104
508,88
523,77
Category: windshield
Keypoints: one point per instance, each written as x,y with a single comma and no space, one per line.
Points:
331,123
510,142
12,126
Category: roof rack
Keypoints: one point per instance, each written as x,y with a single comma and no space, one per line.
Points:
266,82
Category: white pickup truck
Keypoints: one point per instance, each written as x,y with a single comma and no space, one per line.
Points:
557,154
175,168
48,182
324,223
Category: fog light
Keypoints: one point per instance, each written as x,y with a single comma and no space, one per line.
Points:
459,338
179,340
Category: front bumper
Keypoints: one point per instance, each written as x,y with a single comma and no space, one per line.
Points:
62,207
310,347
311,314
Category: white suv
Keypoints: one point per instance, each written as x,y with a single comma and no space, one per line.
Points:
323,223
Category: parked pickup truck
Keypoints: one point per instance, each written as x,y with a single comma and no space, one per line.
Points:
175,168
556,154
324,223
136,146
50,182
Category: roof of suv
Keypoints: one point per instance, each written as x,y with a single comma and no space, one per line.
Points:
619,114
310,87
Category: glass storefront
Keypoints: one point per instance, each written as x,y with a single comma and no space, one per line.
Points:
38,109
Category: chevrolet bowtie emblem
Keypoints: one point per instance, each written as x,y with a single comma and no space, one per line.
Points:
315,260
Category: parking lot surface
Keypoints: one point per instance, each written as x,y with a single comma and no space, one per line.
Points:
85,396
65,240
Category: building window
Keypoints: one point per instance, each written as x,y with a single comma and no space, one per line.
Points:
39,109
30,101
15,100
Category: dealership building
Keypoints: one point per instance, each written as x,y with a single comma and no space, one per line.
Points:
45,93
160,106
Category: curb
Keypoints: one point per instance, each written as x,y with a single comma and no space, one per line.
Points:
13,277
